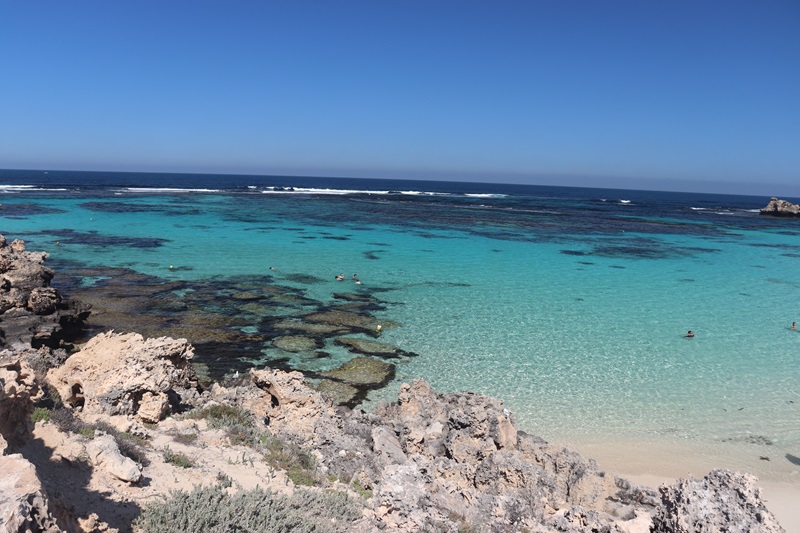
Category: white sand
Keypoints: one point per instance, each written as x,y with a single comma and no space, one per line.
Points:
649,464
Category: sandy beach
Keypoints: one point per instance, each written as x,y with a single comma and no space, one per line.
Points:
651,465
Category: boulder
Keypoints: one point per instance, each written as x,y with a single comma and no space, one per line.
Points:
721,501
104,453
780,208
125,374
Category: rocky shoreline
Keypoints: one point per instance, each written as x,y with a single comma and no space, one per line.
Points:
96,440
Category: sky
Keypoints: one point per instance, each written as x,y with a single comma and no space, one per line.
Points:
679,95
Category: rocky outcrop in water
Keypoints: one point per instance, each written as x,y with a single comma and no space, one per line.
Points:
32,313
780,208
126,374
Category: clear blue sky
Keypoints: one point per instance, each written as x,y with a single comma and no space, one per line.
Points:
680,95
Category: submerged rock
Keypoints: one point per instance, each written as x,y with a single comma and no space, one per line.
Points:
296,343
367,347
780,208
361,374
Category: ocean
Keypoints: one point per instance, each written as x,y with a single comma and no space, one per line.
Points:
570,304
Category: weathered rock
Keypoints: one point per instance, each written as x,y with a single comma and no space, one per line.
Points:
31,312
291,407
103,452
781,208
125,374
387,447
722,501
18,392
23,503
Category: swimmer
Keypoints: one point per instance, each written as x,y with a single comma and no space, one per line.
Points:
355,276
794,326
689,335
340,277
273,268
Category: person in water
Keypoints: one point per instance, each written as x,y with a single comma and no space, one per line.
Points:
689,335
794,325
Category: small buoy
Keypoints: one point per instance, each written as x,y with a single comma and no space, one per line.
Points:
171,267
378,328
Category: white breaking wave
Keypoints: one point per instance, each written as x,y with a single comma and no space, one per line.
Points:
167,189
485,195
626,202
16,188
341,192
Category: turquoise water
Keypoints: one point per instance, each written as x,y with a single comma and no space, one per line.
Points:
578,330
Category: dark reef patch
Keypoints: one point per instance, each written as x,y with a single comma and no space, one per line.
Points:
127,207
20,211
93,238
573,252
372,254
305,279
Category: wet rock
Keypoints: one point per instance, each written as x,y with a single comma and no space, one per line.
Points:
367,347
308,328
721,501
780,208
33,314
120,373
296,343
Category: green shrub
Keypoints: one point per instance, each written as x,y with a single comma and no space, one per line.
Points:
184,438
299,465
221,416
177,458
213,510
360,490
40,414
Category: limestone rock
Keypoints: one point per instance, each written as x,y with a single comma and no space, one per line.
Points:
290,406
23,503
125,374
780,208
722,501
33,314
18,392
104,452
387,447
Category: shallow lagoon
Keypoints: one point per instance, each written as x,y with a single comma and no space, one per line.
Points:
567,303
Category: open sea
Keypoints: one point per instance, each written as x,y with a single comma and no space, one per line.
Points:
570,304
